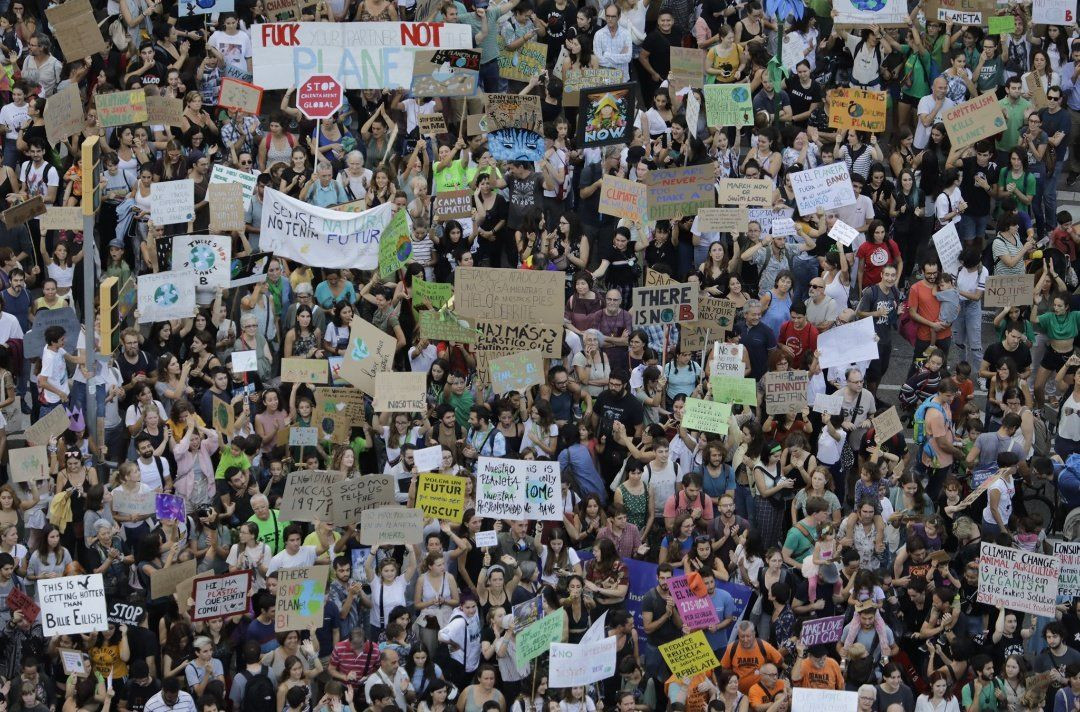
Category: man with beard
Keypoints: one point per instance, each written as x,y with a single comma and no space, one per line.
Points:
924,311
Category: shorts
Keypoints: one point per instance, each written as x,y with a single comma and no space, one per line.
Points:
1053,360
909,100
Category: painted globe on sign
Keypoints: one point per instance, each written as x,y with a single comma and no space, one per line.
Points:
166,294
870,5
740,94
202,258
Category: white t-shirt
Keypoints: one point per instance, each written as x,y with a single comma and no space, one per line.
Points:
552,579
926,105
13,117
305,556
1004,508
9,328
235,48
54,368
152,477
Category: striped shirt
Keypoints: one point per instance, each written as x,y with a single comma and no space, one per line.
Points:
184,703
347,660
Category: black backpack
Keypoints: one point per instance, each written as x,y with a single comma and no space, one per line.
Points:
259,692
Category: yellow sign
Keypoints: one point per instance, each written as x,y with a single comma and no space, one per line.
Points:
689,655
857,109
441,496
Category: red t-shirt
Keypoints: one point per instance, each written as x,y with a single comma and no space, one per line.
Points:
802,343
875,257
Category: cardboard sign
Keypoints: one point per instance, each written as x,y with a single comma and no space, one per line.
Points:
696,612
821,631
718,315
785,391
170,506
679,192
308,496
606,115
805,699
76,29
71,605
722,219
730,389
1001,24
445,72
848,343
164,110
1021,580
973,121
1068,553
370,351
431,124
29,464
673,304
582,664
163,582
301,595
516,372
242,96
535,640
120,108
224,174
513,111
1049,12
21,213
689,655
303,370
687,67
887,425
43,429
524,63
140,502
56,217
745,191
829,404
172,202
303,437
575,80
623,198
64,317
382,526
518,489
221,596
728,105
63,115
1009,290
428,459
452,205
710,416
400,392
948,246
441,497
857,109
226,207
521,296
827,186
354,495
17,600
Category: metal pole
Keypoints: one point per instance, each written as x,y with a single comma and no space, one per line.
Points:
89,257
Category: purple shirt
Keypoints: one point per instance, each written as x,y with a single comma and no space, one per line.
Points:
613,325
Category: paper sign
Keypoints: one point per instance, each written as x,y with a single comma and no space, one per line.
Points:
1049,12
622,198
1001,24
728,105
64,116
857,109
807,699
207,257
170,506
848,343
353,496
674,304
75,662
75,27
441,497
535,640
301,595
947,244
1068,553
785,391
487,538
303,437
120,108
745,192
56,217
244,361
172,202
729,389
452,205
519,296
431,124
830,404
221,596
680,192
21,213
887,425
72,605
827,186
821,630
1020,580
843,233
858,14
1009,290
391,525
303,370
370,351
226,207
710,416
29,464
727,360
516,372
164,110
43,429
518,489
400,392
972,121
242,96
689,655
17,600
224,174
722,219
140,502
961,12
308,496
581,664
438,293
428,459
696,612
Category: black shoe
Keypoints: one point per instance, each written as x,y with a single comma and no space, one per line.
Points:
1070,179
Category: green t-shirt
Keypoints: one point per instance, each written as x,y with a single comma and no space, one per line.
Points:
1060,327
227,461
916,72
270,534
450,178
1014,121
798,543
1025,183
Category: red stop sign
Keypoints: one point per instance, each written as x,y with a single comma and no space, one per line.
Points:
319,96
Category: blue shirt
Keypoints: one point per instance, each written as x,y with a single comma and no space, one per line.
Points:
725,608
1068,86
578,459
757,340
715,487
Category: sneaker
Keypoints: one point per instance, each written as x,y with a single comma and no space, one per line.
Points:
1070,179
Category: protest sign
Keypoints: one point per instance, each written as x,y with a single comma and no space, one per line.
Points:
521,296
1009,290
534,641
75,662
438,293
436,326
821,631
428,459
241,96
164,110
518,489
207,257
395,244
244,361
827,186
596,631
523,63
452,205
1049,12
961,12
17,600
487,538
1068,554
830,404
782,227
582,664
303,437
224,174
441,496
172,201
785,391
76,29
120,108
64,317
710,416
687,68
516,372
360,55
221,596
1001,24
728,105
680,192
400,392
29,464
689,655
50,426
575,80
331,239
431,124
722,219
249,269
806,699
727,360
301,594
861,14
843,233
697,612
21,213
652,278
139,503
718,315
856,109
887,425
72,604
226,207
354,495
674,304
443,72
370,351
623,198
729,389
123,612
693,113
303,370
163,582
1020,580
848,343
744,192
63,114
381,526
973,121
518,111
307,496
606,115
191,8
56,217
170,506
947,243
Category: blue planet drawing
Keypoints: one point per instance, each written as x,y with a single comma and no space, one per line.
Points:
202,258
869,5
740,94
166,295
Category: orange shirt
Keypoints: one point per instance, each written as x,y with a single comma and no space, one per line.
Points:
826,678
921,298
760,695
694,701
745,663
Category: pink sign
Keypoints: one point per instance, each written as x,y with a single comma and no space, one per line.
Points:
822,630
695,612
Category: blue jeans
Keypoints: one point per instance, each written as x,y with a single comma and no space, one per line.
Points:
46,408
1038,214
971,227
967,333
804,270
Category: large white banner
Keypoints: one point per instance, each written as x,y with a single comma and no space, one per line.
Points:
360,55
331,239
72,605
583,664
1050,12
876,12
166,295
827,186
208,257
518,489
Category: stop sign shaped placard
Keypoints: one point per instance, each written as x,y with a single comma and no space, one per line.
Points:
319,96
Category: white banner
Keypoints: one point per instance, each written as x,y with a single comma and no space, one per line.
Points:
72,605
583,664
873,13
360,55
947,244
1021,580
166,295
827,187
518,489
1068,554
208,257
321,237
806,699
172,201
848,343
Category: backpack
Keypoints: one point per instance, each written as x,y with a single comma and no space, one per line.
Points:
922,441
259,692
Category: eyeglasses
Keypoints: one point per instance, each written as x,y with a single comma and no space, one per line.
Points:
1053,98
816,286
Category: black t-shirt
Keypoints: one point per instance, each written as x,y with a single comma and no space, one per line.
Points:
978,200
128,372
526,196
156,76
557,21
665,254
996,351
913,616
625,408
143,644
801,98
658,45
138,695
621,265
654,603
